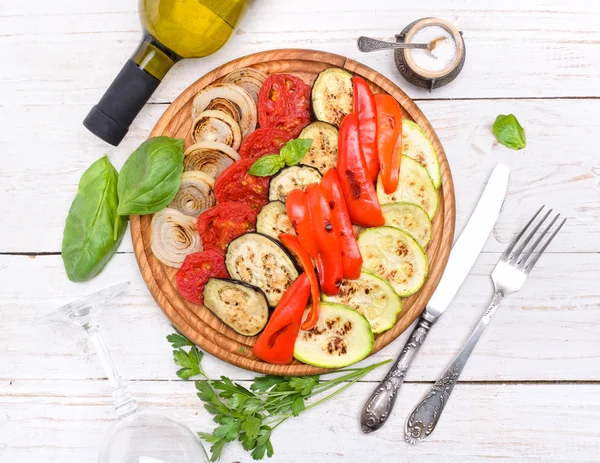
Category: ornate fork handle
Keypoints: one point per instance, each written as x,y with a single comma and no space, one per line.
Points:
424,418
380,404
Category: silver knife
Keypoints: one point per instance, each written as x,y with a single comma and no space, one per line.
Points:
462,257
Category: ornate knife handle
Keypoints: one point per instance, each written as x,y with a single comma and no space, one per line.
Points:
380,404
424,418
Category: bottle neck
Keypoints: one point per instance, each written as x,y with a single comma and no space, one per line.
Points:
153,57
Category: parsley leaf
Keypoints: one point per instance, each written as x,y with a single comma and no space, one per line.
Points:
251,426
178,340
304,384
243,413
294,150
190,361
509,132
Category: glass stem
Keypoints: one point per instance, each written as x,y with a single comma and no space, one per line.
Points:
125,404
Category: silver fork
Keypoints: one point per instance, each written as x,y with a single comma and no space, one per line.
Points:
508,277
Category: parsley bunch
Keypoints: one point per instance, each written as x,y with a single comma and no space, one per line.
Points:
251,415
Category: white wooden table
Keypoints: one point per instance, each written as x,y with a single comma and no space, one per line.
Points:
531,391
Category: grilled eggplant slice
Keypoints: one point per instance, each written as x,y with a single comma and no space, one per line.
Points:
323,152
341,337
292,178
415,187
332,95
261,261
396,256
372,297
273,220
242,307
409,218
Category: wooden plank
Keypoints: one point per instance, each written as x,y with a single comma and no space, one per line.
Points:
548,331
559,167
66,422
519,49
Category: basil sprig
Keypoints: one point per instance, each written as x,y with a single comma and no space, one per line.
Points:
291,154
509,132
93,229
97,220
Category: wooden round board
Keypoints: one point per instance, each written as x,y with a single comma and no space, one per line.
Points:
196,321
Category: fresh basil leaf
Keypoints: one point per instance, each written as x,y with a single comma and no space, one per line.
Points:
267,166
509,132
294,150
150,178
88,239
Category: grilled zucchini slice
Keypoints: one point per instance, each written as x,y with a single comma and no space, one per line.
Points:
372,297
341,337
415,186
292,178
273,220
323,152
409,218
416,145
332,95
242,307
261,261
396,256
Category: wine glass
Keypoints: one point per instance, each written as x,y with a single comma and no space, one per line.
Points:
138,436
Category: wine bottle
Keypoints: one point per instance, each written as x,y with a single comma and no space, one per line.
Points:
172,30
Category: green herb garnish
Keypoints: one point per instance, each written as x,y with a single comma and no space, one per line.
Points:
150,178
250,415
291,154
509,132
93,229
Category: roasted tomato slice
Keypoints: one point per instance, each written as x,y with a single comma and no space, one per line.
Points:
262,142
220,225
236,184
197,268
284,103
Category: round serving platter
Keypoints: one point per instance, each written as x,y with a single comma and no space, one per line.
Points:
196,321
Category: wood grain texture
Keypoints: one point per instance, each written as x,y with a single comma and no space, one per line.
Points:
537,59
549,331
58,421
559,166
196,321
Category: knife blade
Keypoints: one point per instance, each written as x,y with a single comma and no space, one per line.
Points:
470,242
462,257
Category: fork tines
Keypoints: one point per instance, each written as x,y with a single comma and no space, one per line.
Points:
524,262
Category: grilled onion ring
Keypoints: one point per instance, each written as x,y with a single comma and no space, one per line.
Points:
236,95
209,157
195,194
249,79
211,125
173,236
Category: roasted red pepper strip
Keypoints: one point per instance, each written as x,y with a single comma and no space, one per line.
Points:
357,187
365,110
276,343
351,258
389,136
297,210
330,251
293,244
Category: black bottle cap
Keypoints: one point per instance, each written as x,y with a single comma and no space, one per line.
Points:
111,117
